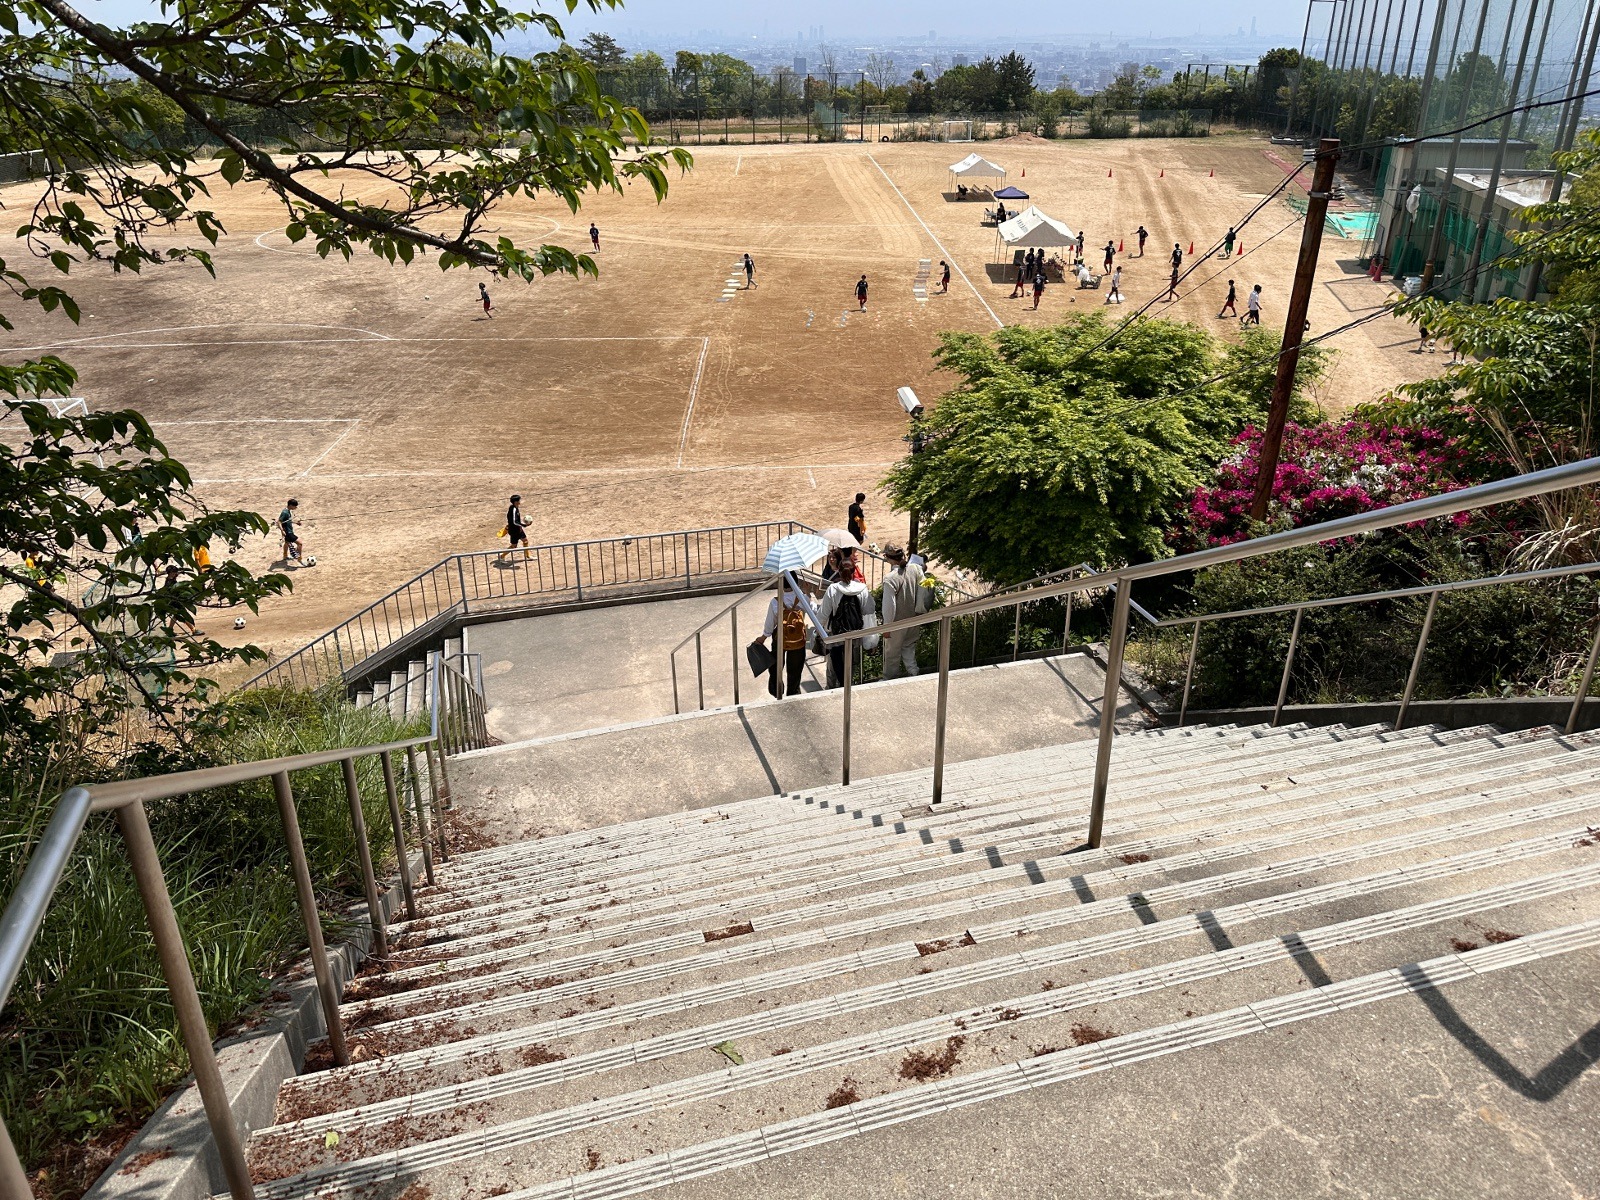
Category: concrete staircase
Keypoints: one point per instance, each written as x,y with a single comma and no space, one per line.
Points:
792,995
408,691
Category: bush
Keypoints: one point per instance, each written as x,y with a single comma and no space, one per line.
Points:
91,1039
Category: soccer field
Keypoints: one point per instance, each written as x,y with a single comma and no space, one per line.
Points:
652,398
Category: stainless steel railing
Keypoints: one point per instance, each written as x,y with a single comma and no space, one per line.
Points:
456,724
487,580
1485,495
1433,591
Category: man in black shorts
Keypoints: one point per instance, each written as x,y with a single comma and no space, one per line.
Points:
293,547
516,530
861,294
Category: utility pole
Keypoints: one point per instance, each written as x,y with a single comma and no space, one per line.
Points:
1294,325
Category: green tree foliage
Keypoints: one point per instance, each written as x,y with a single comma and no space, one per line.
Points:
600,50
1054,450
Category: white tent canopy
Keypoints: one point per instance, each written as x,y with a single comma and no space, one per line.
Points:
1030,227
975,166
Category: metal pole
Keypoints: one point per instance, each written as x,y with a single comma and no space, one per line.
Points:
1066,628
942,706
1437,240
423,836
688,570
1294,326
14,1183
974,661
1288,664
1016,633
1188,674
673,659
438,787
358,822
1479,288
461,582
1108,711
1583,688
174,957
1416,661
577,572
733,615
1294,87
699,671
326,991
399,835
849,669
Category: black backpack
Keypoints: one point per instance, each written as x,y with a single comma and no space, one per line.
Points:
846,614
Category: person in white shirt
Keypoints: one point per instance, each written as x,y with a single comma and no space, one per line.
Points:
847,605
1252,307
902,596
790,655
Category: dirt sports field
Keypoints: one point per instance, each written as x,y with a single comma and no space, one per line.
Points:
402,419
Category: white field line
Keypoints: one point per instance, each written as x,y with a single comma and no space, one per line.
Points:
266,421
737,163
694,394
375,337
84,343
948,257
332,446
522,473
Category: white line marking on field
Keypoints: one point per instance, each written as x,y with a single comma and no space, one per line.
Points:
694,394
811,477
265,421
79,345
737,163
521,473
83,343
351,428
948,257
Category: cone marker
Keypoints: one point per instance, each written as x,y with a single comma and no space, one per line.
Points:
1191,247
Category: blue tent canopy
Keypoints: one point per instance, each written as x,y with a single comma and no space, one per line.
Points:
1011,193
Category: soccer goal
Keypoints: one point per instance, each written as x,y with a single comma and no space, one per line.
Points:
957,131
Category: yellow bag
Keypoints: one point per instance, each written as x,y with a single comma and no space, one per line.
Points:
502,532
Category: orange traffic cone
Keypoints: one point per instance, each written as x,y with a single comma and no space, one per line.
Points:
1163,174
1212,174
1024,172
1108,172
1241,248
1119,245
1191,247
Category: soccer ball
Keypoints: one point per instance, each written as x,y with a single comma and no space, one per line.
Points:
238,622
311,560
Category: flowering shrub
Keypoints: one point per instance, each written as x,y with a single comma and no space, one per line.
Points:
1324,471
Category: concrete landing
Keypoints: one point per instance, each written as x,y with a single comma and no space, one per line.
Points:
601,777
597,667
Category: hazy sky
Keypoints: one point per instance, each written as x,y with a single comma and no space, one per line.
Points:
847,20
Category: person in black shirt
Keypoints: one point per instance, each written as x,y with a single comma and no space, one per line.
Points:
861,293
1227,305
1142,234
856,522
516,530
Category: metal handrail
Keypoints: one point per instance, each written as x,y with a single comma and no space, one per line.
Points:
457,721
1483,495
451,586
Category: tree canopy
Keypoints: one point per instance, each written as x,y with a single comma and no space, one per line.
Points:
1055,449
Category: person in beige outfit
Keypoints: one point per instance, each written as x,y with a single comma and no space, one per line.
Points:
902,598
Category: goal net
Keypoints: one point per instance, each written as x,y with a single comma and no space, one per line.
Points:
957,131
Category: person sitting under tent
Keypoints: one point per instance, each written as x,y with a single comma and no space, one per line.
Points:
961,191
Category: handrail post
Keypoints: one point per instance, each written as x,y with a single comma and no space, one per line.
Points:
461,582
327,993
1108,711
577,571
13,1179
146,863
423,836
1416,660
369,879
1066,628
1583,688
733,613
1288,664
1188,672
849,669
438,786
942,705
699,671
688,569
673,660
399,835
1016,633
975,618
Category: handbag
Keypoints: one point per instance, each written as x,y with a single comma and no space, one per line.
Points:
759,657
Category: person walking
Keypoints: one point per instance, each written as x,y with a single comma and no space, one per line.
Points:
1111,253
856,519
1172,287
483,294
846,607
1078,246
944,277
749,271
1424,343
861,294
788,614
293,548
1038,286
1141,235
516,529
1228,304
1227,243
1024,273
594,235
903,596
1114,295
1177,255
1252,307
